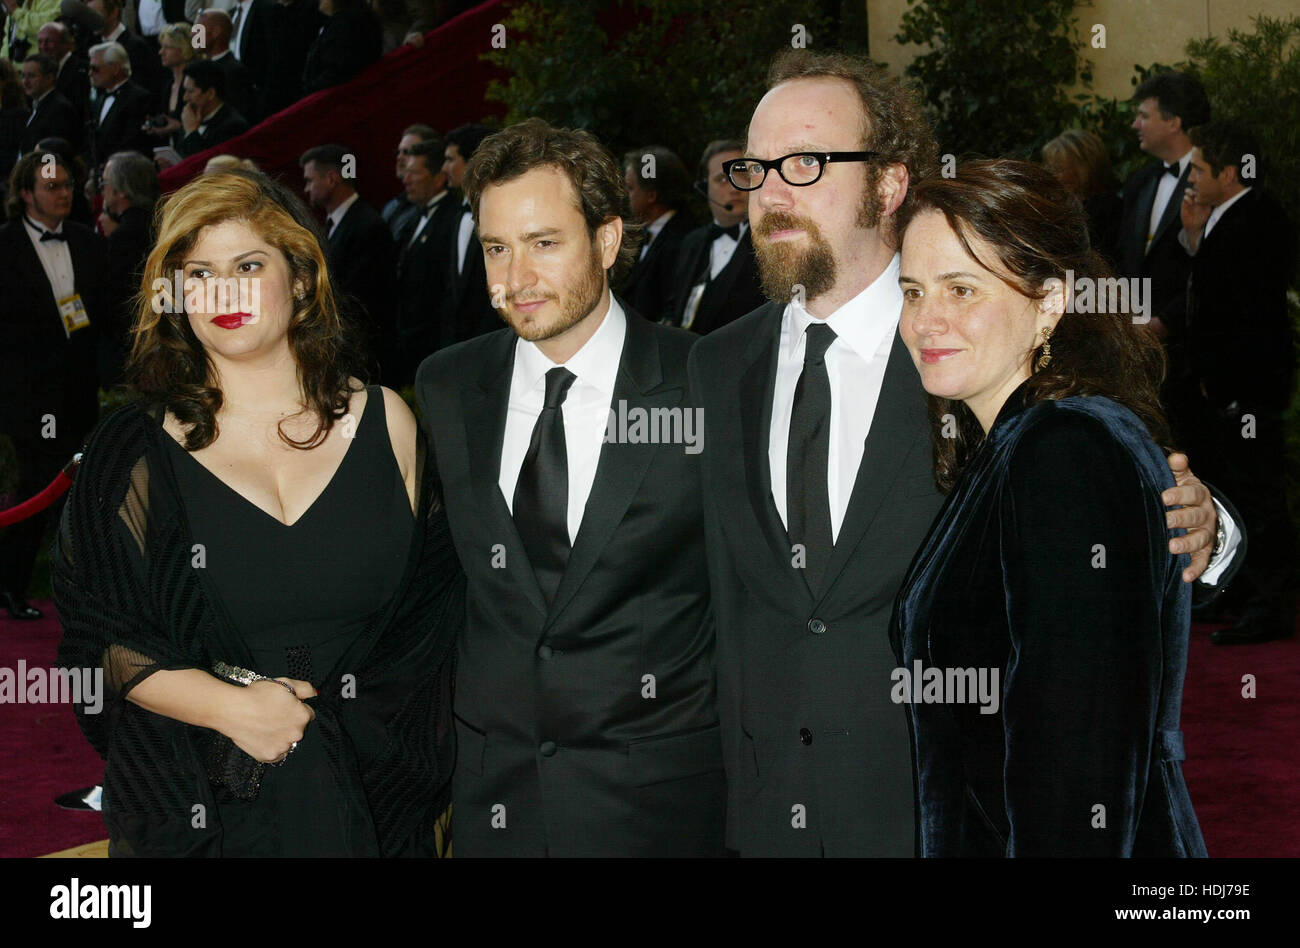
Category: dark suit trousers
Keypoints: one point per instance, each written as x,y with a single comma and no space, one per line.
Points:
39,460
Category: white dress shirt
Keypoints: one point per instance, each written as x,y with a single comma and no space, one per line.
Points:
151,17
463,236
235,41
108,99
1164,191
335,217
723,249
586,409
652,231
56,259
855,364
1219,211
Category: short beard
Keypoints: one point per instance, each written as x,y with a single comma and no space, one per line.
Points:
786,271
577,300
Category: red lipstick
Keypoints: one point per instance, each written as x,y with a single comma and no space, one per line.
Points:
934,355
232,320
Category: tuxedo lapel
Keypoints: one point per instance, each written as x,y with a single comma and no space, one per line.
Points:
721,287
894,428
1173,210
622,467
757,386
486,404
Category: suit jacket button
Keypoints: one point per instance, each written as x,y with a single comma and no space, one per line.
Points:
805,735
816,626
545,653
547,749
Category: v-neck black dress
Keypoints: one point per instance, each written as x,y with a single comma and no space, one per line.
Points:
299,594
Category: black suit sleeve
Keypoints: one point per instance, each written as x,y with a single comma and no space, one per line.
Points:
1083,677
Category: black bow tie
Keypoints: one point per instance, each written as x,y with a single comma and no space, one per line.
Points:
51,235
717,230
1174,170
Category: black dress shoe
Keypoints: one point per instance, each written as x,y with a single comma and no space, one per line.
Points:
1252,629
18,607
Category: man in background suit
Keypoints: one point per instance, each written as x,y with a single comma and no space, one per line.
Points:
54,278
585,716
207,119
426,257
123,105
251,24
468,308
130,192
145,65
717,275
53,116
400,212
1241,354
240,91
657,185
1168,105
810,528
360,249
55,40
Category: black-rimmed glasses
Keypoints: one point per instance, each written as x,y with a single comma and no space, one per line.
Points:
798,170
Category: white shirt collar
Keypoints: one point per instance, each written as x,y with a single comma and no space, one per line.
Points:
863,322
1221,209
112,37
336,215
40,228
658,224
595,364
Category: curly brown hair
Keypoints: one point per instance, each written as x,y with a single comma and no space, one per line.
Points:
893,123
168,365
1039,232
595,175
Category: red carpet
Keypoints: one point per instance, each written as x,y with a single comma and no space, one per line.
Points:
1243,770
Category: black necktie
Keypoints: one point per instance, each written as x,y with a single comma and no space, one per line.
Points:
541,507
1174,170
717,230
51,235
808,505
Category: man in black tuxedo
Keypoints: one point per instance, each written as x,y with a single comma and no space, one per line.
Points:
1168,105
818,470
55,40
252,33
657,185
425,266
240,91
293,26
145,65
52,115
53,274
361,254
585,716
716,279
130,192
207,120
400,212
468,310
1241,355
123,105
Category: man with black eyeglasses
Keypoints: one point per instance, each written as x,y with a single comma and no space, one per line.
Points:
54,274
818,469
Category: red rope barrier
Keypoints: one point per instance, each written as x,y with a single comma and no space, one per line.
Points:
52,492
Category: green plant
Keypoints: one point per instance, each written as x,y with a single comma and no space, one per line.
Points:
678,72
995,73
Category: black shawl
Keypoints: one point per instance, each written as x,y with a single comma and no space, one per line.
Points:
132,602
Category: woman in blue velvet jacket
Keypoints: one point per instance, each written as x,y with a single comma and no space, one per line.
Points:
1042,629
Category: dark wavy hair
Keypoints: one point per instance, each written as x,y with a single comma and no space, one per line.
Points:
1039,231
595,175
168,366
893,123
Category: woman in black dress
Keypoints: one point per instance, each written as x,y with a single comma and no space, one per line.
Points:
175,51
1042,628
256,556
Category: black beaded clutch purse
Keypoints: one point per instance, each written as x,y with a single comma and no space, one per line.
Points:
227,766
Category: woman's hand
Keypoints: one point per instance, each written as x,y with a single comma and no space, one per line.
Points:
266,720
